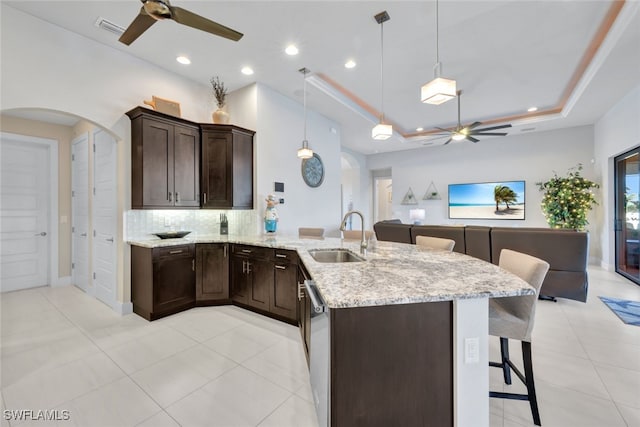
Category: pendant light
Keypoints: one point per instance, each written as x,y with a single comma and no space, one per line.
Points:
382,131
438,90
305,152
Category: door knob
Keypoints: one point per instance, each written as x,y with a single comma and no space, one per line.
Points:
83,235
44,233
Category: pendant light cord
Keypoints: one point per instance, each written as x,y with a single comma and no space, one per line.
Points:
304,101
437,36
382,72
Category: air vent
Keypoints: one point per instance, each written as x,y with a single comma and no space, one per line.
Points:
109,26
527,129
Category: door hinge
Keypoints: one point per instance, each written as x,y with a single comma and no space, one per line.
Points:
73,229
94,191
73,157
73,193
73,265
94,276
94,148
94,233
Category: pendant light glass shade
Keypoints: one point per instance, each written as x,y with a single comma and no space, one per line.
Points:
305,152
439,90
382,131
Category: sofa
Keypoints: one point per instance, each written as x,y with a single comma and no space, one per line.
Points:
566,251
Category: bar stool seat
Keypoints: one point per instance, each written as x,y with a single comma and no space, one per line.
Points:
435,243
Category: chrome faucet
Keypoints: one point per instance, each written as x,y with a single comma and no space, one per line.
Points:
363,241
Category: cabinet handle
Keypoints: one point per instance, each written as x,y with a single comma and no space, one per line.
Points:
300,291
246,251
281,256
204,196
225,250
176,252
281,267
193,265
248,267
177,197
244,267
170,196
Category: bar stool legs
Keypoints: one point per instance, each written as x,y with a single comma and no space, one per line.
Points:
507,365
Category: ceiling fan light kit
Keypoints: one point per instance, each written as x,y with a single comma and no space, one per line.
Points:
382,131
439,90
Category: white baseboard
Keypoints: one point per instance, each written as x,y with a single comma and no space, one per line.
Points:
607,266
62,281
123,307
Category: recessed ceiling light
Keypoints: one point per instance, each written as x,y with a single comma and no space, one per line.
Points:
350,64
419,129
247,71
532,109
291,50
183,60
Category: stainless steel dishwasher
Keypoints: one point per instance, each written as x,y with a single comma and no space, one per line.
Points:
319,357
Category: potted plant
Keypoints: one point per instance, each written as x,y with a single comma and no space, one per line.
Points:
220,93
567,200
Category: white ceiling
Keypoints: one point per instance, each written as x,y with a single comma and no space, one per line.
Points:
505,55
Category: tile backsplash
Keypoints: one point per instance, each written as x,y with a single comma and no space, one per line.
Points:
141,224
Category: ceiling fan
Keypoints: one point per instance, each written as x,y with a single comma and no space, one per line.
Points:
156,10
468,132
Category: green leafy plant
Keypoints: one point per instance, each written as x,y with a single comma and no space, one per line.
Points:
567,200
219,91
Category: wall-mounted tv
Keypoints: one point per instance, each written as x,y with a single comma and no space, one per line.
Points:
487,200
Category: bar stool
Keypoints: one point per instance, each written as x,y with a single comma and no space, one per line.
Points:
356,234
512,318
435,243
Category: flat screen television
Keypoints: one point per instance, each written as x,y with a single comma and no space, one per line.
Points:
487,200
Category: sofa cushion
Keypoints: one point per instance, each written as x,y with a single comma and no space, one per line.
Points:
478,242
392,232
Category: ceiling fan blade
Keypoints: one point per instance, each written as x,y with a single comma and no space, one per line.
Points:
493,128
489,133
190,19
474,124
447,141
140,24
472,139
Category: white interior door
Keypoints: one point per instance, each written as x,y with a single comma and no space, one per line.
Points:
24,214
80,213
104,217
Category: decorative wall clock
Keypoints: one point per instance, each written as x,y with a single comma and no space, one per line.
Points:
313,171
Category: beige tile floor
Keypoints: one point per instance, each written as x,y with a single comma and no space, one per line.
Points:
224,366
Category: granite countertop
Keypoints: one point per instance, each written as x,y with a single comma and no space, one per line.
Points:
393,273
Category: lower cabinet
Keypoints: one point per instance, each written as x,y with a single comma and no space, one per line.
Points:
212,273
169,279
162,280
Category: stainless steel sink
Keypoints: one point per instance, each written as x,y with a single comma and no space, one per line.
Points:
335,255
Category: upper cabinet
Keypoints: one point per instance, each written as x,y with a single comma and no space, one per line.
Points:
165,161
176,163
227,167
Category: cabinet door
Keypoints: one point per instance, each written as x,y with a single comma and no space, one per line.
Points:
157,164
186,172
260,283
173,279
242,170
284,300
216,173
239,279
212,267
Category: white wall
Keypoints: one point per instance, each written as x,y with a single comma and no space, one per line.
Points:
531,157
616,132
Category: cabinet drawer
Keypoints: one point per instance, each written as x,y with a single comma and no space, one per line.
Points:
283,255
253,251
179,251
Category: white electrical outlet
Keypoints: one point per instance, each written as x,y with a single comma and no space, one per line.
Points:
471,350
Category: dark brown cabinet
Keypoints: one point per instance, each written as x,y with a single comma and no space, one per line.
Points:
227,167
252,276
162,280
284,296
212,273
165,161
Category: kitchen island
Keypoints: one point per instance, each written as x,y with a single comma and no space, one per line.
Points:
403,338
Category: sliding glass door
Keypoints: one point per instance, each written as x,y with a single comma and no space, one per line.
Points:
627,230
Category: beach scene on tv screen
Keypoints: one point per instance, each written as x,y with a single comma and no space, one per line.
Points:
487,200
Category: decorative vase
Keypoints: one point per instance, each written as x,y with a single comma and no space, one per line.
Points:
220,117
